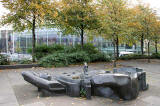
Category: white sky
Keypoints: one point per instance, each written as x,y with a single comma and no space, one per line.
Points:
155,4
3,11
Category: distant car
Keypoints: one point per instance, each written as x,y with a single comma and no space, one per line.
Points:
124,53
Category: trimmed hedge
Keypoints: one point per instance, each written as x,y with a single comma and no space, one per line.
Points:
4,60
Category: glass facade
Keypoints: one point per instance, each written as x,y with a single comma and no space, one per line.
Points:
14,42
6,42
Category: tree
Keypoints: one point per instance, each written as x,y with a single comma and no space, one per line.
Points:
77,16
156,35
144,19
114,17
150,23
26,14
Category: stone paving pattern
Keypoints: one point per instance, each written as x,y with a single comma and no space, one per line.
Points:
14,91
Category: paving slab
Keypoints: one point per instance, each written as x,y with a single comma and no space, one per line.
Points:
9,104
152,100
7,96
14,91
35,104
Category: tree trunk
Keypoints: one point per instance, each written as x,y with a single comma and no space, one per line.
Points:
149,52
117,47
33,38
156,47
114,61
82,37
142,44
135,48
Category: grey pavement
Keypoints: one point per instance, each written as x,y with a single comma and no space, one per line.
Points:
14,91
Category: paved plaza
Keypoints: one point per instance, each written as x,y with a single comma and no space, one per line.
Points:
14,91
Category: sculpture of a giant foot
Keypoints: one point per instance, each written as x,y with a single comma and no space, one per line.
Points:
124,83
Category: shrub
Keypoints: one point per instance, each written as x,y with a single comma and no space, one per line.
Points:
88,48
63,59
56,47
155,56
3,60
69,49
56,59
100,57
44,50
78,57
134,56
24,61
58,55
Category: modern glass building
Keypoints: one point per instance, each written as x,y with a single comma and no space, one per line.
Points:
6,41
19,42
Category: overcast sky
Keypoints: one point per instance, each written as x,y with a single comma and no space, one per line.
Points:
155,4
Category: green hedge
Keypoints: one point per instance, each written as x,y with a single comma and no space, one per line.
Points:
88,48
4,60
63,59
61,55
23,61
56,59
155,56
133,56
44,50
138,56
72,55
99,57
77,57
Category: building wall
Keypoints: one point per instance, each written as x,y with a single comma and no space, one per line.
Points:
20,42
6,40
